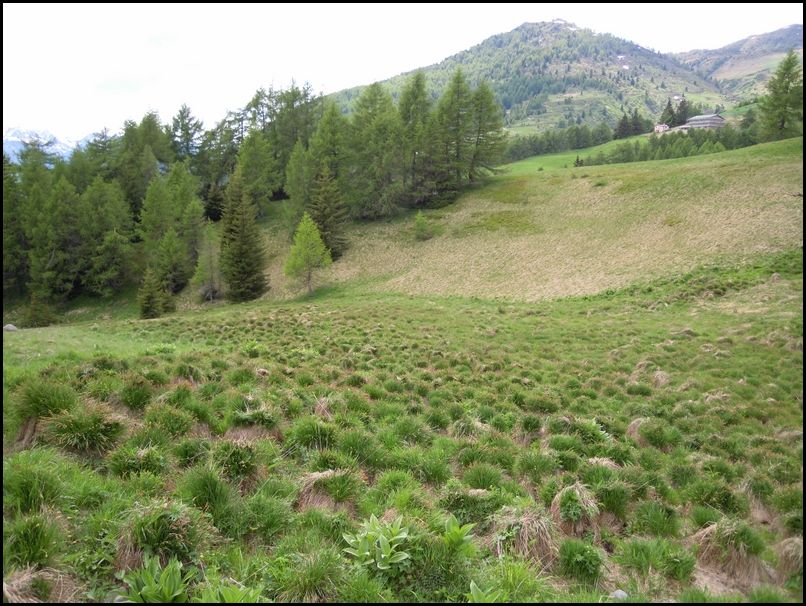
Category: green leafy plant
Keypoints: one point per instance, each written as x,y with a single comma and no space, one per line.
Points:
228,594
480,596
458,538
377,545
155,584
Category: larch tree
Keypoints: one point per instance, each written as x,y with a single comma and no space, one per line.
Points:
308,253
782,107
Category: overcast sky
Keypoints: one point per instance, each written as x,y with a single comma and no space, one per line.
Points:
74,69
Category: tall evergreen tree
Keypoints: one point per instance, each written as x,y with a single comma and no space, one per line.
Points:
667,116
329,212
207,278
241,246
328,143
111,265
186,134
158,213
454,114
375,155
15,265
487,131
415,108
308,252
258,168
622,128
782,107
154,300
171,262
300,176
683,112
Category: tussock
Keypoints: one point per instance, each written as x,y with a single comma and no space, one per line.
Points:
604,462
590,511
532,532
18,586
712,551
790,556
322,409
632,431
312,496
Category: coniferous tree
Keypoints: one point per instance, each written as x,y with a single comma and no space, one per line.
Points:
487,132
259,170
15,266
375,160
207,278
329,212
158,213
308,252
782,107
241,245
623,128
186,134
415,108
154,300
683,112
667,116
300,176
171,262
111,265
455,123
328,143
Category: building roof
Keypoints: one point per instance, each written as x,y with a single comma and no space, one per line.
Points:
704,117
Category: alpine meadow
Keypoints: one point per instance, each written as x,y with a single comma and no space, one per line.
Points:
525,325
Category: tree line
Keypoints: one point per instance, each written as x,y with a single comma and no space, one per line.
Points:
141,204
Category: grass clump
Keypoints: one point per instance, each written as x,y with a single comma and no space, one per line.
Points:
32,540
580,560
43,398
86,429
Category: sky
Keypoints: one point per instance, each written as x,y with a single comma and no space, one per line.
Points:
73,69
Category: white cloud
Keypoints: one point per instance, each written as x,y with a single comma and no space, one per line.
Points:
74,69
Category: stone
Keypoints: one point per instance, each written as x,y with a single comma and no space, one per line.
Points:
618,594
9,328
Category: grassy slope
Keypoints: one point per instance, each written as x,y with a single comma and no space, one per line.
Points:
729,342
532,234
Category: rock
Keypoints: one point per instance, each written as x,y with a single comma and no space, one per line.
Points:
262,372
618,594
9,328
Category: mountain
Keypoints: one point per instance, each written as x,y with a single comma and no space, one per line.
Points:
14,138
554,74
741,69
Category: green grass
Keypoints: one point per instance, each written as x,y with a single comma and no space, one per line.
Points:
161,438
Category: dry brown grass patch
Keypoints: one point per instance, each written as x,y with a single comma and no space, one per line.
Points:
532,532
312,496
18,586
588,522
749,570
632,430
790,556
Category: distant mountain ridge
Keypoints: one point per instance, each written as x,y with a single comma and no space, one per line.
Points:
555,74
742,68
14,139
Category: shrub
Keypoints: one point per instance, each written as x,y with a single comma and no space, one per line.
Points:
30,541
86,429
43,398
580,560
422,230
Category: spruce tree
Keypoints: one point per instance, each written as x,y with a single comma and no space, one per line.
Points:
241,246
668,117
308,252
415,108
154,300
171,262
208,268
111,265
329,212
